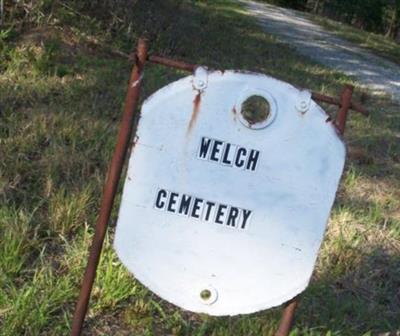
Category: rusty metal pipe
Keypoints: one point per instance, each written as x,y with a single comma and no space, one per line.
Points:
172,63
345,103
334,101
191,67
287,318
110,188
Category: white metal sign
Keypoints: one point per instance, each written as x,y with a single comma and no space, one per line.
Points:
222,213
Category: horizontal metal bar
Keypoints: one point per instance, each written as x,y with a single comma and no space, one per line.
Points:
172,63
335,101
191,67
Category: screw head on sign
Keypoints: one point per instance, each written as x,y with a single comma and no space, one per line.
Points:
303,104
208,295
200,83
200,78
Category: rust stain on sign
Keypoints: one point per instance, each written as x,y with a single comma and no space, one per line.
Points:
234,112
196,108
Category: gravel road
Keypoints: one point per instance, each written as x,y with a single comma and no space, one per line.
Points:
310,39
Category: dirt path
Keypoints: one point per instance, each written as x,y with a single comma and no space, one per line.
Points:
326,48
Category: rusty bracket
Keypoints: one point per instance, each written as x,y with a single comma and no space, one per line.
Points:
110,189
191,68
335,101
344,102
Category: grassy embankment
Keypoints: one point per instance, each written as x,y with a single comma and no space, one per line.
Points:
61,95
377,43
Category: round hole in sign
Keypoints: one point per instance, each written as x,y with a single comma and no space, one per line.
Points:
205,294
208,295
257,108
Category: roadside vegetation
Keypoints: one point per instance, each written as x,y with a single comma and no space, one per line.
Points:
376,16
378,44
62,87
372,24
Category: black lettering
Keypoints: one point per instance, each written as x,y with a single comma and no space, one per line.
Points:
185,204
172,201
196,207
209,206
160,203
226,154
239,162
220,213
199,208
216,150
204,147
252,160
246,217
233,216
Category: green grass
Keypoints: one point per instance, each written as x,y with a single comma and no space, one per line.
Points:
61,96
377,43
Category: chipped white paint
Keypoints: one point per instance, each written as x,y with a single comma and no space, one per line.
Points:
220,218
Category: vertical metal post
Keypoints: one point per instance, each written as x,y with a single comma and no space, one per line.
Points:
287,318
288,313
345,103
110,188
1,12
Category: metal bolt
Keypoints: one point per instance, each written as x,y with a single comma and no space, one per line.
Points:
208,295
200,83
205,294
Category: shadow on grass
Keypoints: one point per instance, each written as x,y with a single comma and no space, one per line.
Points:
351,297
